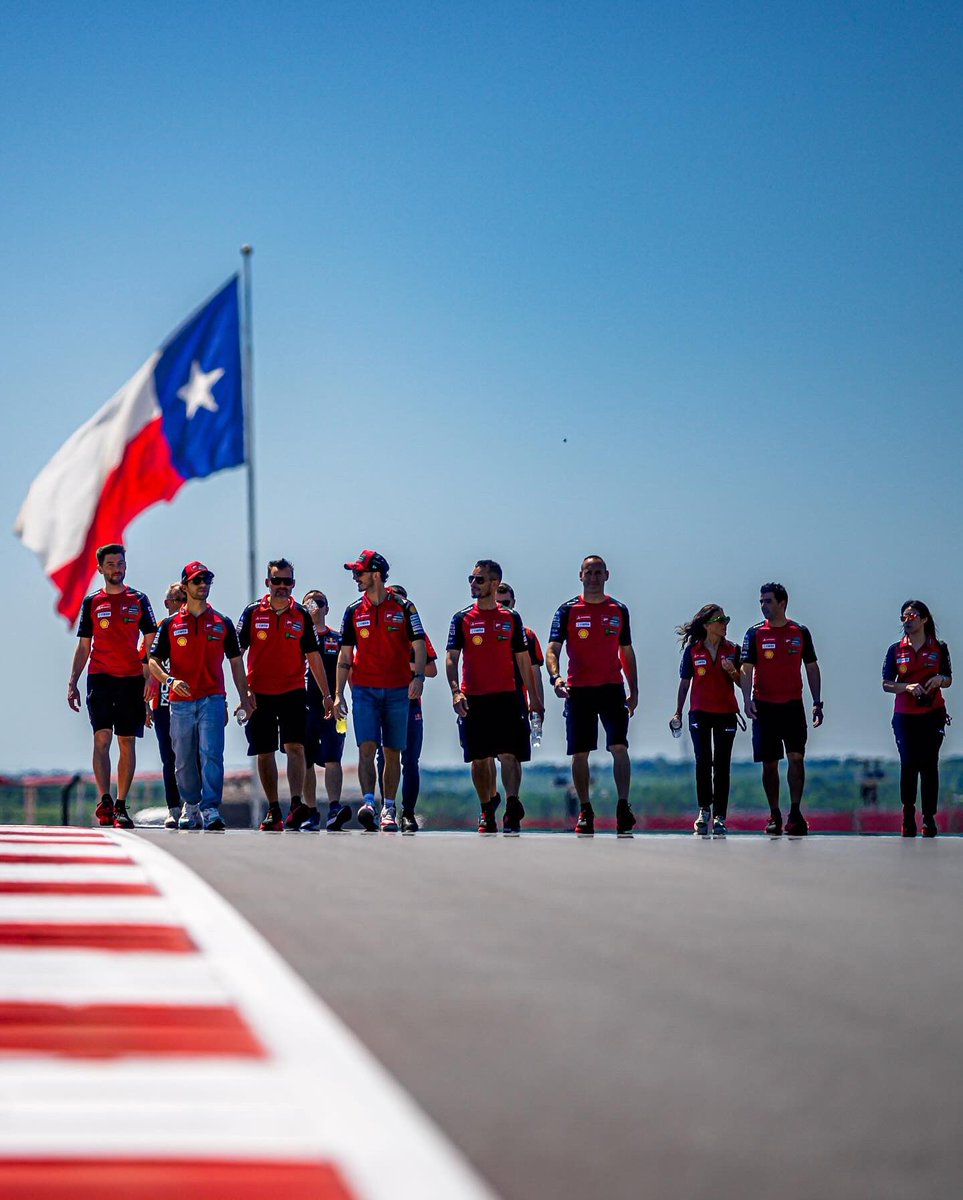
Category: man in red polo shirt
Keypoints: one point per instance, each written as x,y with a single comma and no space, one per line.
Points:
111,623
491,723
595,628
194,642
381,634
774,653
279,639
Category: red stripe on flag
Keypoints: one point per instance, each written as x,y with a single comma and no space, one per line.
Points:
92,860
47,887
159,1179
144,476
163,939
115,1030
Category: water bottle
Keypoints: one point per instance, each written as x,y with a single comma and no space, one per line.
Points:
241,717
676,726
341,724
536,730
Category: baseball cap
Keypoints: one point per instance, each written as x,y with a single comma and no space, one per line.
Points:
369,560
194,568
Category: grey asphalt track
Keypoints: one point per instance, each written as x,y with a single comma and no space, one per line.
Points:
658,1018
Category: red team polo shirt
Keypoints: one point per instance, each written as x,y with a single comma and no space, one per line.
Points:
712,689
195,648
593,634
778,654
115,622
276,643
906,665
381,635
489,639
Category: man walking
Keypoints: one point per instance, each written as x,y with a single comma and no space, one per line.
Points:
595,628
194,642
277,634
773,655
109,633
379,634
491,722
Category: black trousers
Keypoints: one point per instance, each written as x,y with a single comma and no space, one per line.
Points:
162,727
918,739
712,737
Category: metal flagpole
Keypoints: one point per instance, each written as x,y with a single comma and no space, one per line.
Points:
247,372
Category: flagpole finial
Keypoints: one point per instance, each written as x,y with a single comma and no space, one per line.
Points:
247,249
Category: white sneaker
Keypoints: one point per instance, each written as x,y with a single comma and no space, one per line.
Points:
389,819
190,817
702,821
719,826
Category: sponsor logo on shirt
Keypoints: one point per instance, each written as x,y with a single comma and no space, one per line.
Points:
362,622
477,639
262,636
583,622
182,641
583,634
105,624
476,629
364,633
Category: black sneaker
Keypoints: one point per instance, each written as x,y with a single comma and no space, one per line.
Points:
514,815
122,818
624,819
909,822
774,824
585,825
486,819
796,825
338,818
929,827
408,823
367,819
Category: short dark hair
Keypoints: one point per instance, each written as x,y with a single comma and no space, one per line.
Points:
594,558
318,596
507,587
491,567
779,592
110,548
280,563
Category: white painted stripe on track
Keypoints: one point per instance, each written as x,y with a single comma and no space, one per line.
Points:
64,850
87,910
70,873
319,1094
99,977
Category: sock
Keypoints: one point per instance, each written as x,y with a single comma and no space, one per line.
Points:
586,807
368,799
389,803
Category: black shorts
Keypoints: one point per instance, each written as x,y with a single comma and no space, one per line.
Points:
778,725
117,704
282,717
494,725
585,707
322,742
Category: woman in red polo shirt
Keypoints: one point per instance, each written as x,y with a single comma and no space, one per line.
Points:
710,664
916,671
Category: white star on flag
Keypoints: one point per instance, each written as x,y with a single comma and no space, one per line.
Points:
198,391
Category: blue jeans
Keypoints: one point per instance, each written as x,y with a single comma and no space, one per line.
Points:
197,733
380,716
162,727
410,759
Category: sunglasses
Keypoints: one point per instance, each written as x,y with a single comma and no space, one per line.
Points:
910,615
282,581
477,578
719,620
204,577
358,574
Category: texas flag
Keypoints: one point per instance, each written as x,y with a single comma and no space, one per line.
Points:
180,417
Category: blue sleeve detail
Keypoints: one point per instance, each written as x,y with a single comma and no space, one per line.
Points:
625,637
889,664
85,627
749,646
685,666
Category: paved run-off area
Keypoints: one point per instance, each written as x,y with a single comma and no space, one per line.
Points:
656,1017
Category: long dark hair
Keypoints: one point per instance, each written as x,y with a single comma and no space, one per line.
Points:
695,630
929,625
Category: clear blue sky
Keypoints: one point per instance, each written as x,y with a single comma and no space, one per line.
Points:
716,248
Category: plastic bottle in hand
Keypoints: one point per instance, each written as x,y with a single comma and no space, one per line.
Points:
676,727
241,717
536,730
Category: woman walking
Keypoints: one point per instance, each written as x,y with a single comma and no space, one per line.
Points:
917,670
710,664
